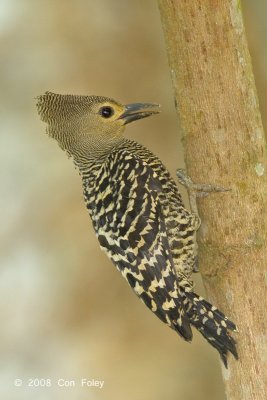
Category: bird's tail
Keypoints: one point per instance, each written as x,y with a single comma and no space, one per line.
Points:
212,324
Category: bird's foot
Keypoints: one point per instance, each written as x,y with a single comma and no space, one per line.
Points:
195,190
195,268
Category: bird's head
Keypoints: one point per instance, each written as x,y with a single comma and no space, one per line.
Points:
88,123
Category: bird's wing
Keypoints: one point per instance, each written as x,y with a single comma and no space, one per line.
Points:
129,222
180,223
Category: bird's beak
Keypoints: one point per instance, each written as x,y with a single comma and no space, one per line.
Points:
137,111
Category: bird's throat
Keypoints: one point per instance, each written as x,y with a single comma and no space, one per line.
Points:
94,148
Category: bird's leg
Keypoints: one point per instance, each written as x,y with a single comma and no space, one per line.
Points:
195,190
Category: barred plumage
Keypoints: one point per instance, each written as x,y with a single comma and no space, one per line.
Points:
137,211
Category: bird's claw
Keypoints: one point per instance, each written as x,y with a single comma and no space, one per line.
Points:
197,189
201,189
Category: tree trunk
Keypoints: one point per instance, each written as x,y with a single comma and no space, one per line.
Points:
225,145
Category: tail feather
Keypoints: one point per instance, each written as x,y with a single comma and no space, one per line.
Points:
212,324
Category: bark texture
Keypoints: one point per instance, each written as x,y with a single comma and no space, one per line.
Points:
224,144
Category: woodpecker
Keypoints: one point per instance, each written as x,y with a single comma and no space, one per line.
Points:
137,211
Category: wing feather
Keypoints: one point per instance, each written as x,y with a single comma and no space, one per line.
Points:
129,222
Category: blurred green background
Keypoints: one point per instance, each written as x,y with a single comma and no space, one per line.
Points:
65,311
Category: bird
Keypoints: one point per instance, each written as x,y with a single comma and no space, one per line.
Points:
137,211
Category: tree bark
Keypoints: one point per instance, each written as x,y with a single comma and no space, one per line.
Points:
224,144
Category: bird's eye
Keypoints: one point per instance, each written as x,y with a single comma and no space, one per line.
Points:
106,112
